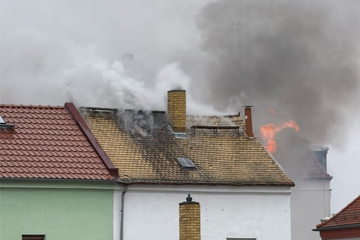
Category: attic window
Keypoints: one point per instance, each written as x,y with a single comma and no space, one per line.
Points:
2,121
186,163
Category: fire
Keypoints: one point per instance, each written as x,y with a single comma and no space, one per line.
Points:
271,110
268,132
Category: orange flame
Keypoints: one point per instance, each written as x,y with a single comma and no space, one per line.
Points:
271,110
268,132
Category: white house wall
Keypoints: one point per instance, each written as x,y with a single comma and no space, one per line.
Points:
263,213
310,202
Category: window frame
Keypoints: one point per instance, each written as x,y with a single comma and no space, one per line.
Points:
33,236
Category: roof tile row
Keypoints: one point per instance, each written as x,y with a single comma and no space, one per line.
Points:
46,143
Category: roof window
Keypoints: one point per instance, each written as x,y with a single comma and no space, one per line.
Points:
186,163
4,125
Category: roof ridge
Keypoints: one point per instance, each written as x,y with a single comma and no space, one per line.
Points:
341,211
30,106
70,107
229,115
149,110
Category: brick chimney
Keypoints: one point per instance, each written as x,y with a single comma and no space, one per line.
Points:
248,122
189,220
176,110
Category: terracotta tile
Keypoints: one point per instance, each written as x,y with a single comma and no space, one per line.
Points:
43,135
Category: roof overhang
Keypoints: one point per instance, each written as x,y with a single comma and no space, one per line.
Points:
337,227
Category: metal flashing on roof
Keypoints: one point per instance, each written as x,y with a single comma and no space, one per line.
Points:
215,128
2,121
186,163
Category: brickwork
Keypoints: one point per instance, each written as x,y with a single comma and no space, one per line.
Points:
177,110
248,122
189,221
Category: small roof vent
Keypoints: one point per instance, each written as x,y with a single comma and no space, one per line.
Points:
186,163
4,125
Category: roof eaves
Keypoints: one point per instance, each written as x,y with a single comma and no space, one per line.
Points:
70,107
337,227
140,181
57,180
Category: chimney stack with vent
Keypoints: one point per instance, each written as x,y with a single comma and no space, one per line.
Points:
189,220
176,110
248,122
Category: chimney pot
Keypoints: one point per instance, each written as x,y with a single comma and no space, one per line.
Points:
248,122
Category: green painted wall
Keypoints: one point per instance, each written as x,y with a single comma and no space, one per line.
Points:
62,211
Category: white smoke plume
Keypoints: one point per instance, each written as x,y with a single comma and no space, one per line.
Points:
48,70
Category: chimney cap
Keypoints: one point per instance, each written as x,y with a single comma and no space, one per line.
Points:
189,198
188,201
177,90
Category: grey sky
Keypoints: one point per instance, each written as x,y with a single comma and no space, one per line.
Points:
56,51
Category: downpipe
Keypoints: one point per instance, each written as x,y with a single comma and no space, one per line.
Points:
122,212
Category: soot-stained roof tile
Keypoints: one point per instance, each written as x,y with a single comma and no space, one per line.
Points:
148,152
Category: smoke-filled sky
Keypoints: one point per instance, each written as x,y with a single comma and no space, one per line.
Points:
301,58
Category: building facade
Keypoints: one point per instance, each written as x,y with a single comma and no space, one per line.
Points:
55,183
162,156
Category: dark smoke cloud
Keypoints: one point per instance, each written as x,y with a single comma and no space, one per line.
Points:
299,57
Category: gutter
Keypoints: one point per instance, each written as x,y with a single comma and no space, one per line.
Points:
159,182
73,180
122,212
337,227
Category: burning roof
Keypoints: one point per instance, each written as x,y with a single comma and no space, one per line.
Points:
145,147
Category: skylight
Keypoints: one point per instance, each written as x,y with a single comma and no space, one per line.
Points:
186,163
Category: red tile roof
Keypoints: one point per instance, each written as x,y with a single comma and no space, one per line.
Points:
49,142
350,215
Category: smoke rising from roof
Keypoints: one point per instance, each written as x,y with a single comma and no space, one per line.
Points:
64,51
299,57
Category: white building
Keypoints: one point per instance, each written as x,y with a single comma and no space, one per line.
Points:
162,157
310,198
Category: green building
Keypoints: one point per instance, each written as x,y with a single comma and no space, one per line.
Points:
55,181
